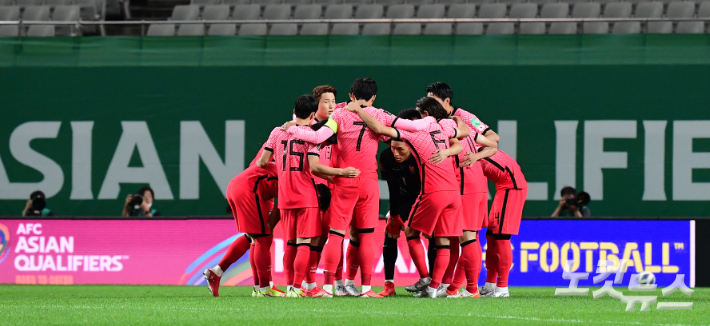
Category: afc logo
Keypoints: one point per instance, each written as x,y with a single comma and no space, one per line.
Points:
4,242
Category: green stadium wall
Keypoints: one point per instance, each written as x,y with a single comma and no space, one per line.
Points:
90,120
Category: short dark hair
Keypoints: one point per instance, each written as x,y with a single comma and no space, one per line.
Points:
567,190
364,88
320,90
409,114
441,90
432,107
305,105
142,191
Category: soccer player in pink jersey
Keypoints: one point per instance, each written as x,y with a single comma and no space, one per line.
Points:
355,200
298,198
437,209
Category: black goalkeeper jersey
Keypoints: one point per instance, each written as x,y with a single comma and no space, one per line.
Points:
402,181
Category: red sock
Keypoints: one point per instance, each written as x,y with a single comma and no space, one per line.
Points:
271,240
367,257
476,262
289,257
470,264
505,260
332,255
339,270
252,263
300,265
235,251
491,260
262,258
313,264
352,259
416,251
443,254
453,260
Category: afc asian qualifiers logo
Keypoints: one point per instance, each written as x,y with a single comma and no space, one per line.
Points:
4,242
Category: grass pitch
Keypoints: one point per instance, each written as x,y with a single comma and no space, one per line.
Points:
48,304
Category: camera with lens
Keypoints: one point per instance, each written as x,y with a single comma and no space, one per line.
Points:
582,199
134,205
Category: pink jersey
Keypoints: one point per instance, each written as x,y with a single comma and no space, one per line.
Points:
296,184
471,179
473,123
435,177
357,144
326,154
263,182
504,171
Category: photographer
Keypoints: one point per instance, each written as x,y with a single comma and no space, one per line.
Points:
36,206
571,204
140,204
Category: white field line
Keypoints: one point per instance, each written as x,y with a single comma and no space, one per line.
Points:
360,312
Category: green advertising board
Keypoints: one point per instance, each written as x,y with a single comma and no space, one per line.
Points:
91,120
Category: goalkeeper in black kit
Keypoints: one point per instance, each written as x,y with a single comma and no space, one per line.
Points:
399,168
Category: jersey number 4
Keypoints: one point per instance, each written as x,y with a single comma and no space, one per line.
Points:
289,150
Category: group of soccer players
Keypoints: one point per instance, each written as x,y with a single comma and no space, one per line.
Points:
322,167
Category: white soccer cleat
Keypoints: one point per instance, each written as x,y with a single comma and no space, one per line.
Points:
421,285
431,292
441,291
488,290
464,294
352,290
340,291
501,293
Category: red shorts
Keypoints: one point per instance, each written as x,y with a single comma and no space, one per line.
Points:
507,210
437,213
474,211
355,198
250,211
301,223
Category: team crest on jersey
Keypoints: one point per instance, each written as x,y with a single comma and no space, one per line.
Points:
411,168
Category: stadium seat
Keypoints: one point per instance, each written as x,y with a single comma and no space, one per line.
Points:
252,29
161,30
222,29
512,1
299,2
480,2
451,2
191,30
91,9
7,2
704,10
590,10
389,2
277,12
328,2
308,12
40,31
339,11
267,2
466,10
527,10
695,27
431,11
215,12
283,29
558,10
675,10
246,12
438,29
185,12
36,13
26,3
376,29
492,10
314,29
419,2
359,2
621,10
654,10
205,2
65,13
9,13
345,29
400,11
233,3
407,29
53,3
469,29
369,11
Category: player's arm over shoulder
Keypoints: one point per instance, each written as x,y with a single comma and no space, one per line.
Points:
269,147
313,136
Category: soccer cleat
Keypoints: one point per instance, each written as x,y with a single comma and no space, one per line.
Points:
212,281
431,292
340,291
271,292
255,293
420,294
295,293
487,290
370,294
388,291
441,291
352,290
452,293
317,292
501,293
464,294
420,285
278,290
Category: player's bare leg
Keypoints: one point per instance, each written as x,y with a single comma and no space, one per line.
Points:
416,251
